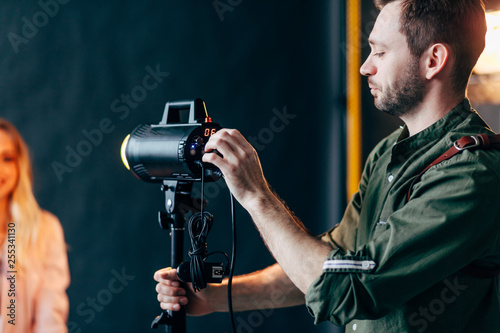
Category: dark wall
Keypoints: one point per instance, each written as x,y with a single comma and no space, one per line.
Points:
77,76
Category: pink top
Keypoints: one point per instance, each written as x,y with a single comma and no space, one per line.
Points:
40,303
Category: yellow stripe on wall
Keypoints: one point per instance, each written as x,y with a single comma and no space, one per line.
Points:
353,81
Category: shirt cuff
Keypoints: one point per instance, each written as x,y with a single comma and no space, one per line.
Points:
325,298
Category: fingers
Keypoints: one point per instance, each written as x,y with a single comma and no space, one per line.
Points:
166,274
231,144
227,139
174,304
171,298
171,295
239,164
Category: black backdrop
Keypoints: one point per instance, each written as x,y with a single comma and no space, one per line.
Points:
77,76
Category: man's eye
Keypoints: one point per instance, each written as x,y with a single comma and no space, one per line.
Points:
379,54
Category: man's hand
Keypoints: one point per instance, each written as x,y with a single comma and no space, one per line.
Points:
240,165
172,294
265,289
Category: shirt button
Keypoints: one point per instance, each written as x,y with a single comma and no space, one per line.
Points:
354,327
390,178
365,264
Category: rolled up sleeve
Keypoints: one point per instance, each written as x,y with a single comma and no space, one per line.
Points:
340,272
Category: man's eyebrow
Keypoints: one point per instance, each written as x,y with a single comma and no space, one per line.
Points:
375,42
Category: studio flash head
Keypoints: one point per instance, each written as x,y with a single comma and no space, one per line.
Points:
172,150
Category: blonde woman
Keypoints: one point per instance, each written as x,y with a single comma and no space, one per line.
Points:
34,270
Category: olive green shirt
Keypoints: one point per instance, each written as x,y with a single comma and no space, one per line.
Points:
397,266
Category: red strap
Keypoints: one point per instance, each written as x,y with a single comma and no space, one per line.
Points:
481,141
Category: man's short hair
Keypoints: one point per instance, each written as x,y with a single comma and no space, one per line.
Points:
461,24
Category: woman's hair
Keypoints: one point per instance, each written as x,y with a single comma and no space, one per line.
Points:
459,23
24,208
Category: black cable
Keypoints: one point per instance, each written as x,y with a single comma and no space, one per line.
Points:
199,226
224,254
231,269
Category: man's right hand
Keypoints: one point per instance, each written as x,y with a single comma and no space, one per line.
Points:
172,294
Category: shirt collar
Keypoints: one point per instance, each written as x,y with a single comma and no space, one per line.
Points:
406,145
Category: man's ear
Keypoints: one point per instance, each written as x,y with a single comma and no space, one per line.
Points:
436,57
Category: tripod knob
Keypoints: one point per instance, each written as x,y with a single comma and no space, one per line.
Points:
163,319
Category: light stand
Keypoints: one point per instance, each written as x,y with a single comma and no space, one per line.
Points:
177,202
171,152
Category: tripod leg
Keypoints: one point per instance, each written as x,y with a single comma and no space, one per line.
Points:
177,247
178,322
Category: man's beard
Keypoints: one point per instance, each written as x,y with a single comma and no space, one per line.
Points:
408,92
